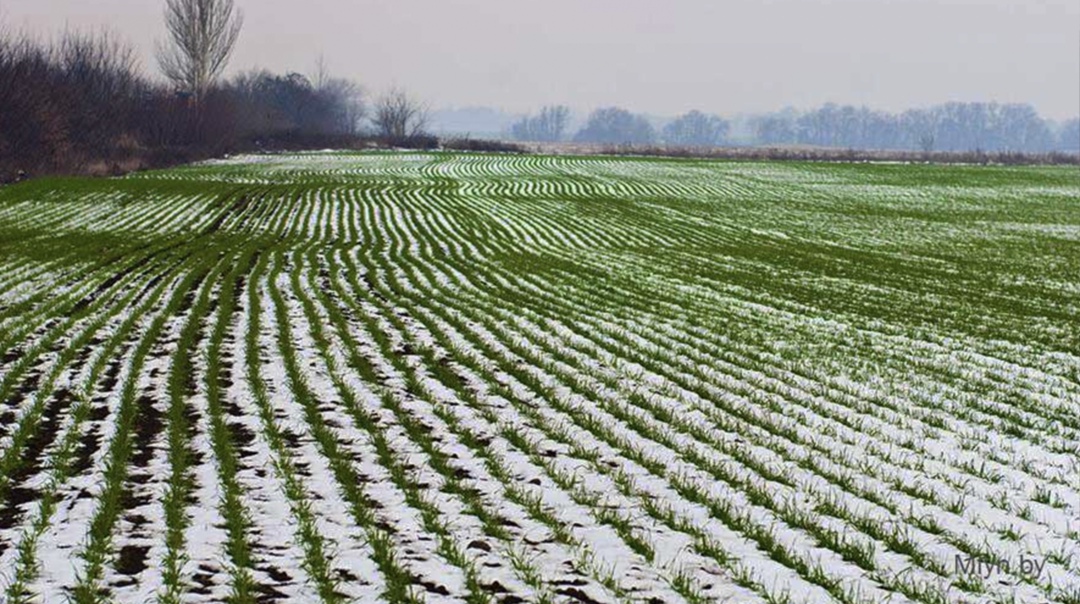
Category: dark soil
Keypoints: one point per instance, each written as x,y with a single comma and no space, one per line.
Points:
16,496
132,560
148,425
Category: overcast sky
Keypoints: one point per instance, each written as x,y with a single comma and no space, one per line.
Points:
656,56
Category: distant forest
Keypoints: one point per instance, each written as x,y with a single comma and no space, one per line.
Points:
950,127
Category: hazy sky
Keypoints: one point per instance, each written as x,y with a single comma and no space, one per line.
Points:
656,56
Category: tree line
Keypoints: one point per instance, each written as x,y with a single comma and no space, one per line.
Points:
82,104
617,126
951,127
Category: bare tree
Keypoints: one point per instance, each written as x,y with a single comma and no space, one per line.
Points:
926,142
695,129
549,126
321,77
346,98
615,126
1069,136
202,36
343,99
66,104
101,73
399,116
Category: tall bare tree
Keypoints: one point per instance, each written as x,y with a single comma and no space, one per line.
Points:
343,98
346,99
399,116
321,76
202,36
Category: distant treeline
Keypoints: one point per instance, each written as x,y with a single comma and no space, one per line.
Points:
80,104
825,154
952,127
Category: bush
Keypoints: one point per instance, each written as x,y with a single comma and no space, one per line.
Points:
66,105
481,146
421,142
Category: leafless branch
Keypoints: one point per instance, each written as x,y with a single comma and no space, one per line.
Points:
202,36
399,116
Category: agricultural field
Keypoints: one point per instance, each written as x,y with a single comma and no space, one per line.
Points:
395,377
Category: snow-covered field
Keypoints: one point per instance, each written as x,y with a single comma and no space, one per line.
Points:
396,377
